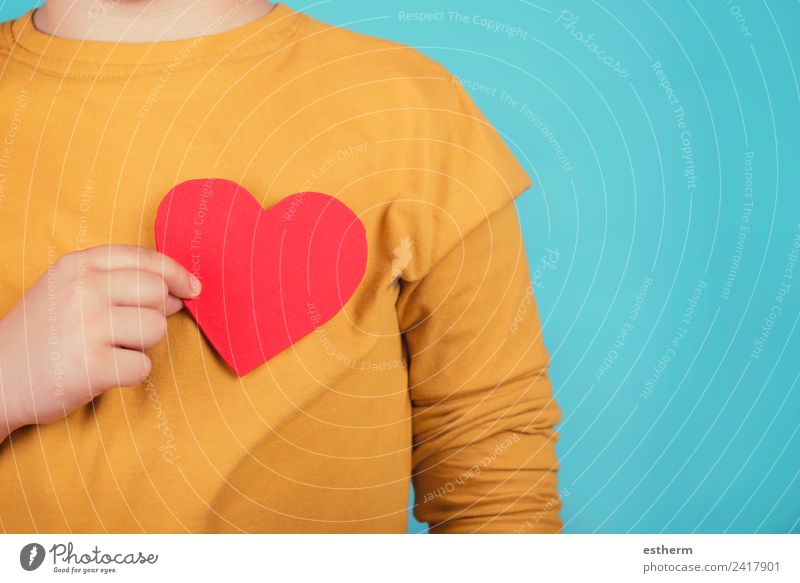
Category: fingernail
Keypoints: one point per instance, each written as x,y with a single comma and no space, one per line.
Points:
196,287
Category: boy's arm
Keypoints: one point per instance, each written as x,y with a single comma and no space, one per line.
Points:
483,412
96,311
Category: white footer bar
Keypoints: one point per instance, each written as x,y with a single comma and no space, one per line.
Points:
407,559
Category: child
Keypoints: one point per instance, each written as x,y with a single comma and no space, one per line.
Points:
434,370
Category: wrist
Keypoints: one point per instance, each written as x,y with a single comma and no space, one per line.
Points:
10,419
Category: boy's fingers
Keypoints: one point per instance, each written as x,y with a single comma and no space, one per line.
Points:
137,328
180,282
130,368
129,287
132,287
173,305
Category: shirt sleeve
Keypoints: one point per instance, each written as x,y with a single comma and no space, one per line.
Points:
483,411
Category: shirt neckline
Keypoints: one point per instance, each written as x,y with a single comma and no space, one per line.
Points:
73,57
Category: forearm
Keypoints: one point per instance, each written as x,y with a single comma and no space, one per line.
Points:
484,413
4,432
8,420
498,473
9,383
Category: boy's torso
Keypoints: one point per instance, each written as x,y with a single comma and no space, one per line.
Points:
317,439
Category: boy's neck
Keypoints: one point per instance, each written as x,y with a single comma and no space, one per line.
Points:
145,20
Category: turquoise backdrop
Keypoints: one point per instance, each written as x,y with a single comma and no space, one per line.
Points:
664,233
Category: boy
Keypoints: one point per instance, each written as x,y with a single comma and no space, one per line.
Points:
434,369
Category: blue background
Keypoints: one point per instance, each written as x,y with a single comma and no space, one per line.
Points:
672,424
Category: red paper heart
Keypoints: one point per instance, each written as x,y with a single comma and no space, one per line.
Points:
269,277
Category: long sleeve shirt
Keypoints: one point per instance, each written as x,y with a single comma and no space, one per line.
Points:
433,372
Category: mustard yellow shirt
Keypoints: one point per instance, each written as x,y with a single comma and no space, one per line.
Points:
435,369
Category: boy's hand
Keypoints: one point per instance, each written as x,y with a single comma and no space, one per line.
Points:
83,328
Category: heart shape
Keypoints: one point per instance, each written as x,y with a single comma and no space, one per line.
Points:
270,277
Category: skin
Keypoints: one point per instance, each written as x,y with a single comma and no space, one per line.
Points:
108,304
136,21
83,328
